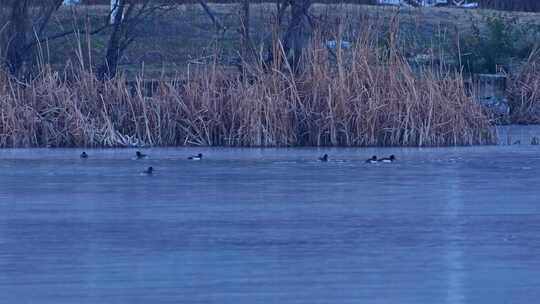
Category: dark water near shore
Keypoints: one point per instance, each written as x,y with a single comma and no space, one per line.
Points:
452,225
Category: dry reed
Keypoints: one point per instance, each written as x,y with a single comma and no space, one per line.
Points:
365,96
524,92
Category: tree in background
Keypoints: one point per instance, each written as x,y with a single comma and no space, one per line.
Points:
246,41
25,21
127,19
502,43
295,36
24,25
121,36
514,5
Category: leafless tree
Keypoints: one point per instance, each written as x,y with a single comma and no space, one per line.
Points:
295,37
24,21
245,27
23,26
217,23
127,20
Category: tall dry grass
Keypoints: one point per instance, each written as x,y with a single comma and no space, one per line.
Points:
524,92
366,96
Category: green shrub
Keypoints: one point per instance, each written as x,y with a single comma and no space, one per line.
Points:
499,42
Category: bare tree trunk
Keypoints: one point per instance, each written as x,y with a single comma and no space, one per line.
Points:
129,16
219,26
295,37
245,29
24,28
16,36
282,6
110,65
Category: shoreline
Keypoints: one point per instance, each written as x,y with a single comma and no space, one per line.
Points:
507,135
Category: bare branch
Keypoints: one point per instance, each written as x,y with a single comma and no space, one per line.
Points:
219,26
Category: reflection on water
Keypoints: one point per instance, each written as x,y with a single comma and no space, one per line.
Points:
459,225
454,252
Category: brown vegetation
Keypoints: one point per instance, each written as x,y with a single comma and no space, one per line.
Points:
287,84
370,97
524,92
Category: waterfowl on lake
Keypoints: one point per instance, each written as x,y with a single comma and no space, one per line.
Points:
372,160
196,157
139,155
390,159
84,155
148,171
324,158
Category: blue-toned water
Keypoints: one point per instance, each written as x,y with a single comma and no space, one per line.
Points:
452,225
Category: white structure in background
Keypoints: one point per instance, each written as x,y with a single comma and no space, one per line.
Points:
458,3
332,44
392,2
465,4
432,2
419,2
114,9
470,5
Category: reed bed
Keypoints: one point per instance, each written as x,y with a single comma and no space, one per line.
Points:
524,92
365,96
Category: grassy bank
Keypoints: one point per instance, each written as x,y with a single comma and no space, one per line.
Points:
401,83
186,35
371,97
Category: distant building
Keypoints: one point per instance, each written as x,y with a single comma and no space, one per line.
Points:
433,2
391,2
414,2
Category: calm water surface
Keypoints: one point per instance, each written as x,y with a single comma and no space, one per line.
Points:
459,225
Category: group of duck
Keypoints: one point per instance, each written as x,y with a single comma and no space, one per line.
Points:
372,160
324,158
140,155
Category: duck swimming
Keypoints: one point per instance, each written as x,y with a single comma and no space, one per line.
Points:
139,155
148,171
196,157
324,158
390,159
84,155
372,160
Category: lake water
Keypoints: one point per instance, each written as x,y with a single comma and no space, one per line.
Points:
451,225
